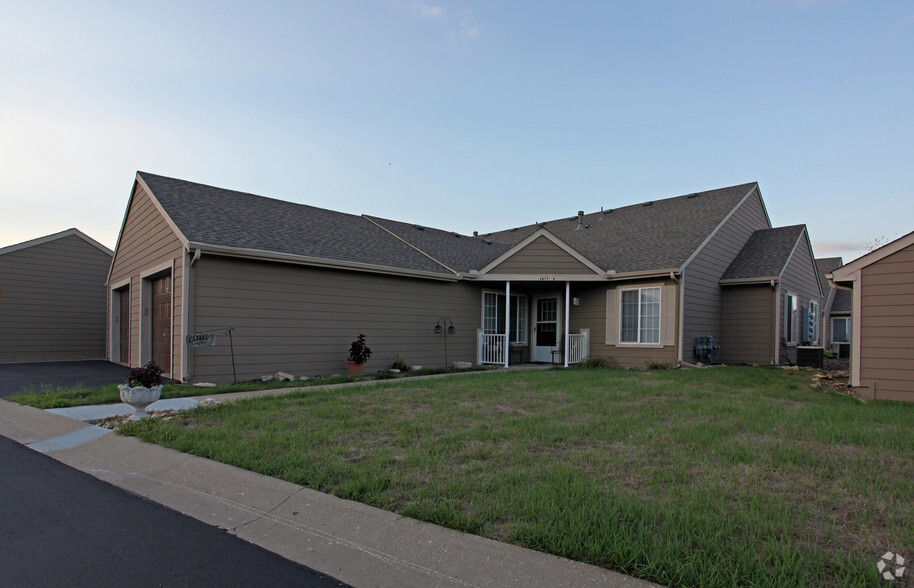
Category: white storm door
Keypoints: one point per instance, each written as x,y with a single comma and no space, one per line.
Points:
546,321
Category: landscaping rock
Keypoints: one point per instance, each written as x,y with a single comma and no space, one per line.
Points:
462,365
415,368
205,385
304,378
393,371
266,378
283,377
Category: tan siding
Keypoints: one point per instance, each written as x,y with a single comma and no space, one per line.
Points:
591,314
886,320
301,320
148,241
541,256
52,301
748,325
703,301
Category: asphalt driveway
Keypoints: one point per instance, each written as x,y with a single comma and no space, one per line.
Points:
17,378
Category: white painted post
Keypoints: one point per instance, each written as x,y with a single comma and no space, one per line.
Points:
567,322
507,322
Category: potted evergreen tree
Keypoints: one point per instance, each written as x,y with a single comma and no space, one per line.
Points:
359,353
143,387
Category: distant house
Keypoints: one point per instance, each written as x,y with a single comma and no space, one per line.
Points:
836,311
297,283
52,298
882,319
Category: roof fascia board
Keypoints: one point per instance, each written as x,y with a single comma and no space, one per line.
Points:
54,237
158,206
845,272
543,232
534,277
748,281
120,233
398,237
753,190
258,254
642,274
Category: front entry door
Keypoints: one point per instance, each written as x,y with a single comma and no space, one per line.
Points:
545,328
161,322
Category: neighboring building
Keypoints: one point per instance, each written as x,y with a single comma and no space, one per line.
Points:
771,297
52,298
882,319
298,283
836,311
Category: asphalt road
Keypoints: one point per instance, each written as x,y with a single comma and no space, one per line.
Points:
59,526
17,378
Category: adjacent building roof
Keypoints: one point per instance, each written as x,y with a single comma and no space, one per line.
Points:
825,266
656,235
765,254
54,237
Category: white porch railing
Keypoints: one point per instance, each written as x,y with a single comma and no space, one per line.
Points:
577,347
492,348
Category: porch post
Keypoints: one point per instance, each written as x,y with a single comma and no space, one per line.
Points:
567,322
507,322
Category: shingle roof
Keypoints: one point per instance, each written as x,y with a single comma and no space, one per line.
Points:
650,236
458,252
827,265
765,254
843,301
216,216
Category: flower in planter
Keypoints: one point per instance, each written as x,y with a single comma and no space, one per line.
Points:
148,376
359,352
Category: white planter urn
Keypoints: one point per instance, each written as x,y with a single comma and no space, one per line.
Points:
139,397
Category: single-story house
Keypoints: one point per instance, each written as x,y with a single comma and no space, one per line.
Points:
287,286
882,319
836,311
52,298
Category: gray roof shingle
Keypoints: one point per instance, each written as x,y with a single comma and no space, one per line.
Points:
458,252
650,236
826,265
216,216
765,254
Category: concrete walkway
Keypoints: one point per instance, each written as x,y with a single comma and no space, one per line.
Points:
355,543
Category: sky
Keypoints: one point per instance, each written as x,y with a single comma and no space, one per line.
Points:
465,116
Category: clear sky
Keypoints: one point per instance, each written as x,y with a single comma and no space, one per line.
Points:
461,115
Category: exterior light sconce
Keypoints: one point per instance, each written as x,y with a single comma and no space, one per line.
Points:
445,325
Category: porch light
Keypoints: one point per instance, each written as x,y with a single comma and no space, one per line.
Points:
438,329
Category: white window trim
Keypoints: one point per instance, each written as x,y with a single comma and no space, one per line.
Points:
513,310
788,317
659,343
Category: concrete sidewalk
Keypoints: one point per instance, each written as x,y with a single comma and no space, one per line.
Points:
355,543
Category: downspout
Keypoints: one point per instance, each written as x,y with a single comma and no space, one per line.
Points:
681,283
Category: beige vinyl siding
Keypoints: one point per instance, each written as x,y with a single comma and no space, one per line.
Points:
147,241
703,302
747,334
591,313
541,257
887,326
799,277
301,319
52,301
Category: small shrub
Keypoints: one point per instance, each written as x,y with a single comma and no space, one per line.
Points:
359,352
149,375
653,364
593,361
399,364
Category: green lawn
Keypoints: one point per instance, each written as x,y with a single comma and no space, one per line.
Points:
61,397
718,477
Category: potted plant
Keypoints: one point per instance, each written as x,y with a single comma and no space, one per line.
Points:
358,355
143,387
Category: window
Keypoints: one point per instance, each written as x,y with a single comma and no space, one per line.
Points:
639,316
790,318
493,315
813,322
840,330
